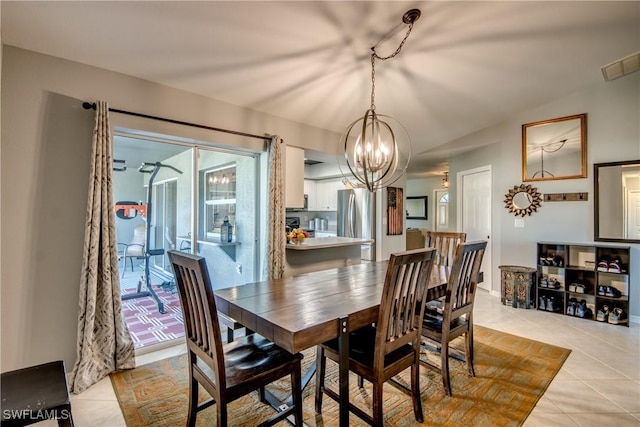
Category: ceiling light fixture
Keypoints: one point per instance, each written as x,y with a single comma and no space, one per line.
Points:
377,155
445,180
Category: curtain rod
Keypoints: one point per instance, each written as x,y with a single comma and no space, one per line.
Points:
92,106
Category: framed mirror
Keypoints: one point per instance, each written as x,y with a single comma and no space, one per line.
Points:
522,200
617,201
417,207
555,149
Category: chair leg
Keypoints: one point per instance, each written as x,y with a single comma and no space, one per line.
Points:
262,395
222,414
444,367
415,390
360,381
377,403
193,396
124,264
321,366
468,338
296,392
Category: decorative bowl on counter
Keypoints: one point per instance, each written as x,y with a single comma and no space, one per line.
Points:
297,235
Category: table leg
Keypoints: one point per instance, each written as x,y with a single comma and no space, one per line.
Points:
343,369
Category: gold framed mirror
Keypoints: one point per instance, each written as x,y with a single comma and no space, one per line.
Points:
522,200
555,149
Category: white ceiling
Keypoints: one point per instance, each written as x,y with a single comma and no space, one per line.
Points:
466,65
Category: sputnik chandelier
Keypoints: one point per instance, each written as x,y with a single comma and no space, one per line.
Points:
376,153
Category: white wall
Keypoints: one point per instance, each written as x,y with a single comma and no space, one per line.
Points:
44,182
613,133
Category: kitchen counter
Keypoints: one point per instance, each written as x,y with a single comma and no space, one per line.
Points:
326,242
322,253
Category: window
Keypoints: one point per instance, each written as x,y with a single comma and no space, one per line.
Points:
219,198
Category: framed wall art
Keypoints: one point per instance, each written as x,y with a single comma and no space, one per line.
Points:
555,149
395,211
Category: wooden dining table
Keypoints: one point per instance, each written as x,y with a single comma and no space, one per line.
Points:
300,312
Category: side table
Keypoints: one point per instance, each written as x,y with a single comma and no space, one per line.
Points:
517,285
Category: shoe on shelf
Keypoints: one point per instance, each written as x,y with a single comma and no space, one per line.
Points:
618,316
572,287
603,266
551,304
612,292
602,290
614,266
544,282
558,261
580,288
603,314
571,308
543,303
553,283
580,310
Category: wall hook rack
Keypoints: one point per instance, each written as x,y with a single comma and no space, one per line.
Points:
566,197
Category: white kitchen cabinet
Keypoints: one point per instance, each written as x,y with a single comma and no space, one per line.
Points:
327,194
310,191
294,177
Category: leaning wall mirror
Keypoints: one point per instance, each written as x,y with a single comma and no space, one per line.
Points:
555,149
617,201
417,207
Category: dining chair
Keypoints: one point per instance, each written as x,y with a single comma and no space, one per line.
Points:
445,243
452,316
378,353
227,371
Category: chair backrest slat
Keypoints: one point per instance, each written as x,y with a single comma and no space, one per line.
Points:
463,280
403,301
199,310
445,243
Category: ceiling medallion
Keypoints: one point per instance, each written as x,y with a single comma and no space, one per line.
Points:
523,200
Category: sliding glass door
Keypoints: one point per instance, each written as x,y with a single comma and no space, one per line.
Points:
188,197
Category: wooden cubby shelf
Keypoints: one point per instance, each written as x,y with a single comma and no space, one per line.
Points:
586,281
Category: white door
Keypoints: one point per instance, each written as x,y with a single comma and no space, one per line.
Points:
474,212
441,221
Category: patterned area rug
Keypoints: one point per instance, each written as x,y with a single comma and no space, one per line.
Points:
512,373
146,324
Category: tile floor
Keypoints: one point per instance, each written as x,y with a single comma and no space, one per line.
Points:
599,384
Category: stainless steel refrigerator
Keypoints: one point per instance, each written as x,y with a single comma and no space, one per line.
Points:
357,218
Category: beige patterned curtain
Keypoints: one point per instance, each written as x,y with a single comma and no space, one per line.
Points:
276,235
104,344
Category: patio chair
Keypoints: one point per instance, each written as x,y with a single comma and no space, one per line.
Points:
135,248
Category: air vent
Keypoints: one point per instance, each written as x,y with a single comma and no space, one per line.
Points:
621,67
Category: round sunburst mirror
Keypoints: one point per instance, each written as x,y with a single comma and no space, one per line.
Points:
522,200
